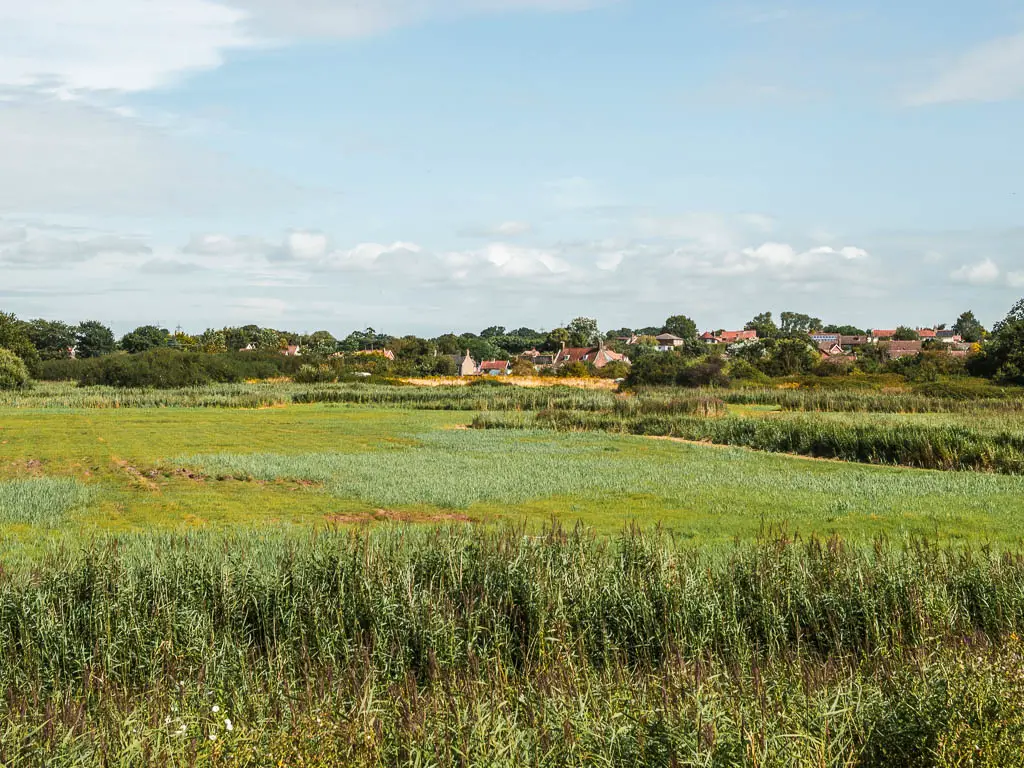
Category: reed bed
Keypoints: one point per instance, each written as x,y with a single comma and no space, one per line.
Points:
920,445
42,501
485,647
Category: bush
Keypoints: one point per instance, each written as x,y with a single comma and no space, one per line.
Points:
315,374
13,372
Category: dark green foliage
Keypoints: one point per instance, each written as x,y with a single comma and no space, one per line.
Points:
53,339
145,338
903,333
13,371
14,337
764,325
93,339
797,324
169,368
1003,355
969,328
681,326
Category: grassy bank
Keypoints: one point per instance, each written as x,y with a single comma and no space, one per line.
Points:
491,647
934,445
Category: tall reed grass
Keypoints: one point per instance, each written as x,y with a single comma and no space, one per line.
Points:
920,445
458,647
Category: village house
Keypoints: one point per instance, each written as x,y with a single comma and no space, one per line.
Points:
496,368
849,342
819,338
949,336
925,334
728,337
667,342
465,365
292,350
387,353
538,359
898,349
881,335
598,356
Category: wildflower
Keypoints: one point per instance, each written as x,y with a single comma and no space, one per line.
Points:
228,725
216,709
167,720
213,737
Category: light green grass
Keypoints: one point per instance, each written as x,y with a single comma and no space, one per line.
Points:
363,459
41,501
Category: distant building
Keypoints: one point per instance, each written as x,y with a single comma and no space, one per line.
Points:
820,338
727,337
598,356
667,342
849,342
881,335
465,365
387,353
496,368
292,350
898,349
949,336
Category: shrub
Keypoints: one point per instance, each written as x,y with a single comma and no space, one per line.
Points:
13,372
315,374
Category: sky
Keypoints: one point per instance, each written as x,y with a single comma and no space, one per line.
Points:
423,166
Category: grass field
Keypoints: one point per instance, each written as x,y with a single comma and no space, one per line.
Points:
137,469
350,575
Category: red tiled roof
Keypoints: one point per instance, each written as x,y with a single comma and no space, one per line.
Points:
491,365
883,334
598,356
926,333
738,335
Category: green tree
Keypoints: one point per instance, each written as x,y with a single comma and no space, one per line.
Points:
583,332
523,367
792,357
145,338
14,337
494,330
94,339
796,323
212,341
1003,355
681,326
904,333
969,328
845,330
556,338
52,338
13,371
764,325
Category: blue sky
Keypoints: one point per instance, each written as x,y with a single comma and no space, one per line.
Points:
427,165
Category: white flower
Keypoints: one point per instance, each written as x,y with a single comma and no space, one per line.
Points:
167,720
216,709
213,737
228,725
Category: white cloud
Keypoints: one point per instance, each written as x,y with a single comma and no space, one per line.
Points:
1015,279
994,71
69,46
69,158
46,251
306,246
120,45
983,273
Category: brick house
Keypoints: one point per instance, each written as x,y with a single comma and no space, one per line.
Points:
598,356
898,349
496,368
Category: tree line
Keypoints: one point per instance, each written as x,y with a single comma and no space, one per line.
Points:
153,356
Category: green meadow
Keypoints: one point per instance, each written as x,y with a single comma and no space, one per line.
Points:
119,470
